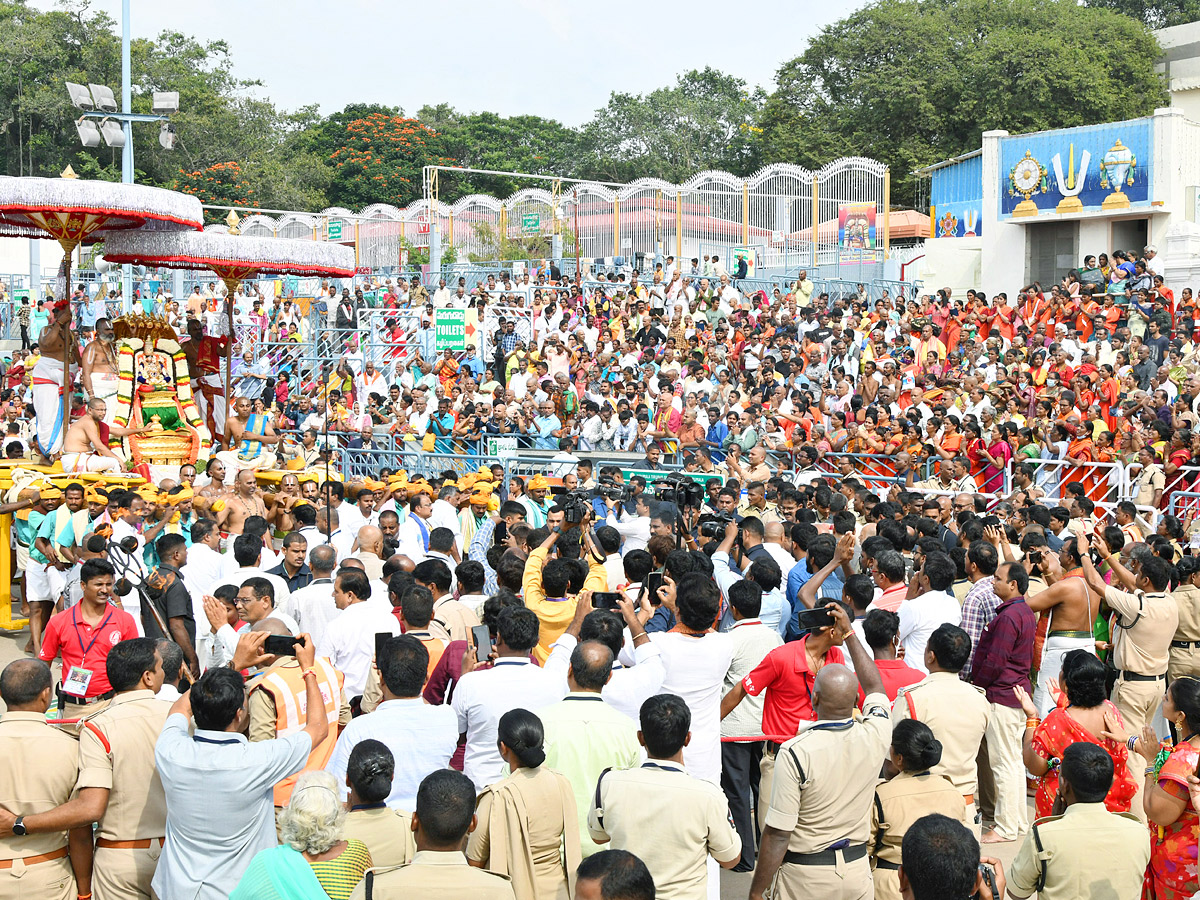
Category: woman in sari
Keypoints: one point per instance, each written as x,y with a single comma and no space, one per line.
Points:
528,828
1080,719
997,455
314,861
1174,823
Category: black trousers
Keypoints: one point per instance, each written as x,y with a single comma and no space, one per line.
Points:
739,781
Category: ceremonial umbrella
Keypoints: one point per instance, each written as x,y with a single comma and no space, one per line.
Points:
74,211
233,258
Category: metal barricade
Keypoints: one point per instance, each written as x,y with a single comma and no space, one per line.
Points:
1103,481
369,463
1183,505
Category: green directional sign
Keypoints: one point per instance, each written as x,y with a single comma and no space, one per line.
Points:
531,221
450,329
653,475
333,230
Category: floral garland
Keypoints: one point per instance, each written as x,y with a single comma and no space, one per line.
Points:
126,360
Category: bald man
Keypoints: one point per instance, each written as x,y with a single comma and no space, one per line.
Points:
370,551
776,542
814,843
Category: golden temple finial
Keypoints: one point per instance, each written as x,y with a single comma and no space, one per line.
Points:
232,221
68,172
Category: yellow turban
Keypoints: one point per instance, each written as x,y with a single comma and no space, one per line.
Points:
466,482
538,483
149,493
50,492
217,505
482,494
373,485
94,496
484,474
178,497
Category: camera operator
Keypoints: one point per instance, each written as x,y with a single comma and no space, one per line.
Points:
635,531
762,570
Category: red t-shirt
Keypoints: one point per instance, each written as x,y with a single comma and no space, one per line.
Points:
786,673
896,673
82,645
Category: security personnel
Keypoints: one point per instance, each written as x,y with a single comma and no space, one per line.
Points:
815,840
277,705
39,772
956,712
445,815
386,832
118,784
672,821
1143,628
1184,657
1087,851
913,792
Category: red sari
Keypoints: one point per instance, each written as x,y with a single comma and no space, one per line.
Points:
1059,731
1171,874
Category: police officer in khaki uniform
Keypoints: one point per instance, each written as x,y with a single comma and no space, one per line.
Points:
38,771
1086,851
1143,628
1184,656
815,840
386,832
671,820
444,817
912,792
118,784
956,712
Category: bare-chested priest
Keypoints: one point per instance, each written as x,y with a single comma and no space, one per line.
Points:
86,448
54,343
245,501
247,437
1072,605
98,373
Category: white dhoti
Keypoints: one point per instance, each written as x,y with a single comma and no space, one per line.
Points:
43,584
235,462
1058,644
47,404
89,462
211,399
104,387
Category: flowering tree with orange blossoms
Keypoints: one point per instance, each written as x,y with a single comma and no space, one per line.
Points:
381,158
223,184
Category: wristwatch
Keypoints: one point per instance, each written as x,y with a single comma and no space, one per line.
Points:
19,827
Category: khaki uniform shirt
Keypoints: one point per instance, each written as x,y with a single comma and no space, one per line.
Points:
456,617
825,779
1186,660
1150,479
39,773
669,819
386,832
263,714
434,875
1088,852
903,800
958,715
137,804
1146,625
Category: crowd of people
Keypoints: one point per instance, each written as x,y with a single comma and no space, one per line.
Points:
843,674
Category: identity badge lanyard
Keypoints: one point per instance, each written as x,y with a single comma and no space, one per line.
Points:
78,678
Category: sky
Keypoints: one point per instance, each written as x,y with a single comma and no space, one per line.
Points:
555,58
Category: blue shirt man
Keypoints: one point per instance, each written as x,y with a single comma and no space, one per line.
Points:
544,427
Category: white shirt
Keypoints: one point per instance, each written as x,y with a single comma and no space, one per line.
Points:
340,540
483,696
695,670
920,617
634,531
615,569
411,539
210,844
422,739
314,607
349,642
629,687
283,596
444,515
205,567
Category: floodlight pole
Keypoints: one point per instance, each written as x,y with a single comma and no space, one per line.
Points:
127,150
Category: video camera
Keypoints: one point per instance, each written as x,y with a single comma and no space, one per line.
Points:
576,506
680,490
609,489
713,525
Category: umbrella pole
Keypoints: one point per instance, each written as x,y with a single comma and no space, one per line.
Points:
231,286
68,246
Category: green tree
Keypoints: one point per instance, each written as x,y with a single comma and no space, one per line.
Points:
1154,13
911,82
381,159
706,120
223,184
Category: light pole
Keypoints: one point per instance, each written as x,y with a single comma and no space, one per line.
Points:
116,128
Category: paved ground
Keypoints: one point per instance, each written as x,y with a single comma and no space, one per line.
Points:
734,886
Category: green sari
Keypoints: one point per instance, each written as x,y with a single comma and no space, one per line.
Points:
280,873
